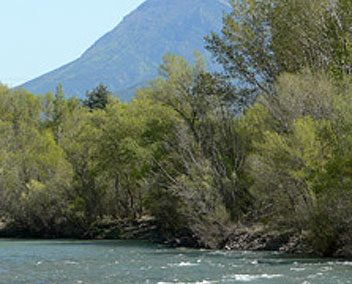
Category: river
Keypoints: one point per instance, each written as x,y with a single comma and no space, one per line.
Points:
79,262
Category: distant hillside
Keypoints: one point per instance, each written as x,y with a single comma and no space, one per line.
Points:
129,55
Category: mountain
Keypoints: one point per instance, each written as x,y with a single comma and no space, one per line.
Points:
128,56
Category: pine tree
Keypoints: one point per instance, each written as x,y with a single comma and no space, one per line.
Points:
58,112
97,98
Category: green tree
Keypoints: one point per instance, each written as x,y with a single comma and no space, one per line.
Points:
299,158
58,112
97,98
262,39
203,167
31,164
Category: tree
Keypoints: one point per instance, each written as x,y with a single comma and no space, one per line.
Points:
244,48
262,39
202,172
97,98
299,161
34,174
58,113
315,34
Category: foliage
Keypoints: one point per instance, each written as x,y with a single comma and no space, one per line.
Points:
97,98
300,173
187,150
262,39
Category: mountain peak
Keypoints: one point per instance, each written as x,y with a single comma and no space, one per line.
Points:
129,55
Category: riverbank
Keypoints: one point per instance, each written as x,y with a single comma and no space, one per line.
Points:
255,237
261,238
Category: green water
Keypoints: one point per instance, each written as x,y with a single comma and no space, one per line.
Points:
139,262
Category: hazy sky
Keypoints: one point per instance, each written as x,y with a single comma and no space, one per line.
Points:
38,36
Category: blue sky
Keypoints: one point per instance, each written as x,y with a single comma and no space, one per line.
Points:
38,36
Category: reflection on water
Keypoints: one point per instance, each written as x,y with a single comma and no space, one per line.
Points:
45,262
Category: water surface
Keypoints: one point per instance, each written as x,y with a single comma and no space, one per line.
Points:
79,262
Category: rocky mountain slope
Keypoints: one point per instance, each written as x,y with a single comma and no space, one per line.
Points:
128,56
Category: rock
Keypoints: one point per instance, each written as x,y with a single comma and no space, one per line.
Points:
258,238
142,229
344,252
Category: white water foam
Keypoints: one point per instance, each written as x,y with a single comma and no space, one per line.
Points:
297,269
69,262
197,282
348,263
249,277
183,264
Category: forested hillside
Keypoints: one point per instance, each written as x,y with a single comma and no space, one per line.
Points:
267,143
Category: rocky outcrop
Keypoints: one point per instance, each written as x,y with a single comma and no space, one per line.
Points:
140,229
259,238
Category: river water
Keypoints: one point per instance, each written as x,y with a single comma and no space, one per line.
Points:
102,262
